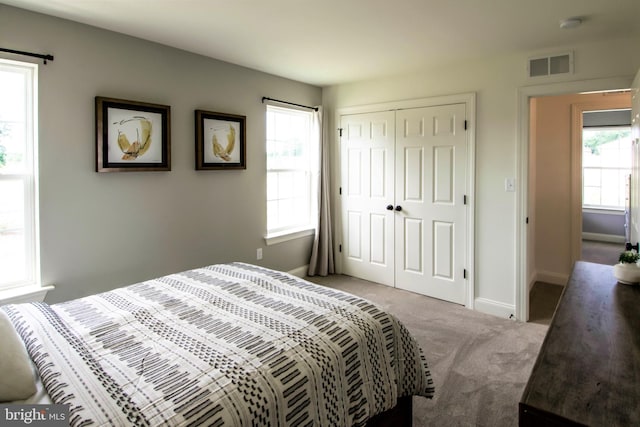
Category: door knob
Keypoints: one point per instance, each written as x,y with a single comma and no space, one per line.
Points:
389,207
398,208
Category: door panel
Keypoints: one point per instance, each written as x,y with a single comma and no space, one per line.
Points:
413,179
354,238
378,175
413,253
443,174
443,250
367,145
379,235
432,157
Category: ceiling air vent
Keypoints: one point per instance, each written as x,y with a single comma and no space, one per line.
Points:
551,65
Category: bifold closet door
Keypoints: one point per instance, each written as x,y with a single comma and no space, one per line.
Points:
430,231
367,157
403,192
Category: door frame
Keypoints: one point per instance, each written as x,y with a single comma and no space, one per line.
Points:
469,99
524,94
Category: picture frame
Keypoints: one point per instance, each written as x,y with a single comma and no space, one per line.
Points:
220,141
132,136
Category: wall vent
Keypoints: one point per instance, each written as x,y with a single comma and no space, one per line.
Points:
550,65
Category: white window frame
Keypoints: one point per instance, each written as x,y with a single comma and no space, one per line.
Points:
625,170
30,179
289,233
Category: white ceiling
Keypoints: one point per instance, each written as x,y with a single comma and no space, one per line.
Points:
327,42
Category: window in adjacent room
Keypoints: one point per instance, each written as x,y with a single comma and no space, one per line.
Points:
292,164
18,175
606,166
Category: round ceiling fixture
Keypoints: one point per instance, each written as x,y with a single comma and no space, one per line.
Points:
570,23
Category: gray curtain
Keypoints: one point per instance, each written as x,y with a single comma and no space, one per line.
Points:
321,262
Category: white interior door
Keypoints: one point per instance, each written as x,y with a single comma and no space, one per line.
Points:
430,231
367,154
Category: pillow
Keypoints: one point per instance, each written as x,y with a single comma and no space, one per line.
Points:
17,379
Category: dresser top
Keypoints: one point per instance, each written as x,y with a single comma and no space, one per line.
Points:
588,368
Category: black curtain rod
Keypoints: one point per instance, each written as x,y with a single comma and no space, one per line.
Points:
264,98
45,58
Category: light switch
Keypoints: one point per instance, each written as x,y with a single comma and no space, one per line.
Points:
510,184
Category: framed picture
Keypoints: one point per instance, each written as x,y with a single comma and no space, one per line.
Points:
132,136
220,141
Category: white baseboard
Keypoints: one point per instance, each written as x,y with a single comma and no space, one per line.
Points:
551,277
598,237
300,271
496,308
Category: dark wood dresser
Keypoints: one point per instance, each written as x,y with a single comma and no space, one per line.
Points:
588,369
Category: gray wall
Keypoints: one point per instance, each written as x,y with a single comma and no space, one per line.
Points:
603,223
100,231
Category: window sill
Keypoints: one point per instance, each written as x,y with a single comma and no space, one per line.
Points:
275,238
22,294
605,211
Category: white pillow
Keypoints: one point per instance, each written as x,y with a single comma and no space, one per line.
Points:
17,379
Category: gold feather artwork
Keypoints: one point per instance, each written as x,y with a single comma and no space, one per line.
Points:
135,149
225,153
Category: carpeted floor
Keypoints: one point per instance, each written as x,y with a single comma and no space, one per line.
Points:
480,363
601,252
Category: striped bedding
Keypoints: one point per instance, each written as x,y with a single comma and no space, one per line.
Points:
224,345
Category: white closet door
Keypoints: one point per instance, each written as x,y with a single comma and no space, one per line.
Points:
367,157
403,189
430,230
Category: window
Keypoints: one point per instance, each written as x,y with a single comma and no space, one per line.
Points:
292,164
18,227
606,165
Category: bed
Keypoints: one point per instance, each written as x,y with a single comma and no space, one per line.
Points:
223,345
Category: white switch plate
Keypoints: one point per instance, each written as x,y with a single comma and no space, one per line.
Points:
510,184
259,253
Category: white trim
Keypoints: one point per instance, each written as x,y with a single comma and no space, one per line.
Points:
410,103
600,237
30,178
24,294
604,211
495,308
275,238
310,167
469,99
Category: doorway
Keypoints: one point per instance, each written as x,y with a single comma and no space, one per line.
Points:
527,245
578,176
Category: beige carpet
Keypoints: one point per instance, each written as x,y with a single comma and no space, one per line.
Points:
480,363
601,252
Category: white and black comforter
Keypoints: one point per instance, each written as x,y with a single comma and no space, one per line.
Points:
224,345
